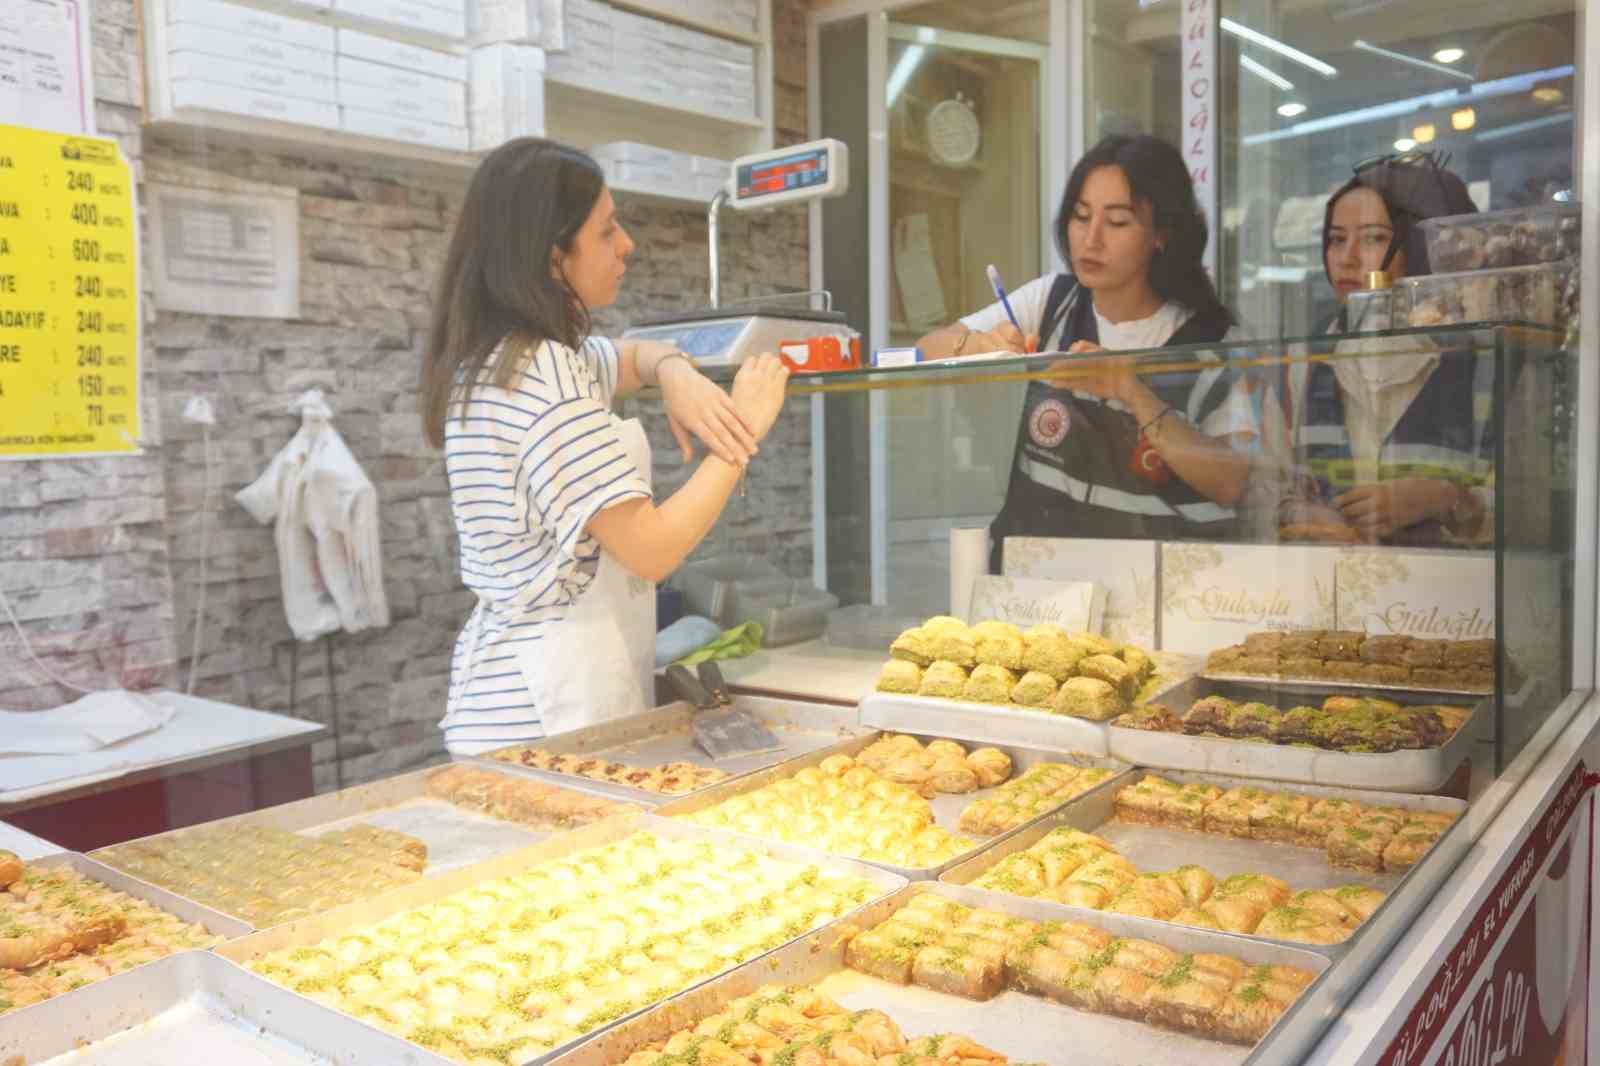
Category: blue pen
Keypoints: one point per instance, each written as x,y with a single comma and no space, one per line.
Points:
1000,292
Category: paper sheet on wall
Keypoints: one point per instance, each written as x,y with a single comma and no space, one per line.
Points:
69,297
45,75
223,252
914,270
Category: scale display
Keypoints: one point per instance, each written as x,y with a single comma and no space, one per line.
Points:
812,171
780,175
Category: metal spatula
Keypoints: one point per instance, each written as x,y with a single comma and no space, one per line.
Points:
721,731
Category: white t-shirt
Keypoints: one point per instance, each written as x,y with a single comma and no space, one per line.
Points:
529,466
1028,302
1235,416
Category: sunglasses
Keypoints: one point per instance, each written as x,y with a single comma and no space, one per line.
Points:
1417,157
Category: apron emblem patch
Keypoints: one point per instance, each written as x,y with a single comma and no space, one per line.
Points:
1148,464
1049,423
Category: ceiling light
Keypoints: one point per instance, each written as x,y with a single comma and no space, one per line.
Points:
1266,74
1424,134
1463,120
1272,44
903,69
1449,55
1293,109
1411,61
1515,85
1548,94
1404,144
1517,128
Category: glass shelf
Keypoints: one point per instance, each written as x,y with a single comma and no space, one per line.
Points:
1479,338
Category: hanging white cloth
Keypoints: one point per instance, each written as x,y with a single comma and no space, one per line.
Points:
330,553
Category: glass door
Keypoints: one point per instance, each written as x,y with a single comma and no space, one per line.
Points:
963,121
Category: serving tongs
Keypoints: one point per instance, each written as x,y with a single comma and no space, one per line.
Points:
721,731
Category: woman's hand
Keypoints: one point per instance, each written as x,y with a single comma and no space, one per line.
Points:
696,407
758,391
1111,378
1385,507
1003,338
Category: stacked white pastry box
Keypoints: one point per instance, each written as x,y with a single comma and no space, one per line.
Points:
224,57
244,60
424,19
507,94
660,170
667,63
401,91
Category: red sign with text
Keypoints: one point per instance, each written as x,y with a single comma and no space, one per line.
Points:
1514,989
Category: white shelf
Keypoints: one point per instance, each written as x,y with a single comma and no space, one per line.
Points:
248,131
580,114
577,114
676,112
636,192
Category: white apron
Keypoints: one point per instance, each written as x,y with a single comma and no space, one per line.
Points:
598,663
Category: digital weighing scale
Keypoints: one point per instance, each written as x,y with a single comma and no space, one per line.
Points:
726,336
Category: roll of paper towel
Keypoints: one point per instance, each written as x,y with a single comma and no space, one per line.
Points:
969,560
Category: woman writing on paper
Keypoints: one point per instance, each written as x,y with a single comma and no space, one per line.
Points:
550,492
1112,453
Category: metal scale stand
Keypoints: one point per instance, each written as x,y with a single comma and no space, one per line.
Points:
725,336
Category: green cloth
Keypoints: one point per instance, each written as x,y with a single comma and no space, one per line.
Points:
735,643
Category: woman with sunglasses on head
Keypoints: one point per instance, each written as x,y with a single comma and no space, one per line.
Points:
550,492
1389,445
1108,452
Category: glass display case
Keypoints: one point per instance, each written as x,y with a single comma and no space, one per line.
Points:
1476,476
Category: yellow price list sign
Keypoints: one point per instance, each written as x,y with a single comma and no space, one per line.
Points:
69,297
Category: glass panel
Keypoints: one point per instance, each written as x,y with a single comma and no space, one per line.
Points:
964,172
1460,556
1491,85
1500,109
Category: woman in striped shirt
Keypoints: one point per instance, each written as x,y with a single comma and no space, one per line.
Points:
550,492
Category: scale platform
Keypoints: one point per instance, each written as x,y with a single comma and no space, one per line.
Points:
726,336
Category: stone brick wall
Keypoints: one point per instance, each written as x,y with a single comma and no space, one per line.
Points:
102,558
83,547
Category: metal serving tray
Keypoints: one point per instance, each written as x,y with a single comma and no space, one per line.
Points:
946,808
984,723
455,836
195,1007
1315,683
1154,848
664,735
1024,1027
311,930
1422,770
214,921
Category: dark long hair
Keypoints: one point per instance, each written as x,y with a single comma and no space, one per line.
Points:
528,198
1159,177
1414,186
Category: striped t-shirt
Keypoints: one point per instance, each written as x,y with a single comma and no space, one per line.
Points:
529,466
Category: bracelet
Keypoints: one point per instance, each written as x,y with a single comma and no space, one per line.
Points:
1163,413
1466,508
667,359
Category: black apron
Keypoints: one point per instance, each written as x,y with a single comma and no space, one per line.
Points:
1072,474
1440,435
